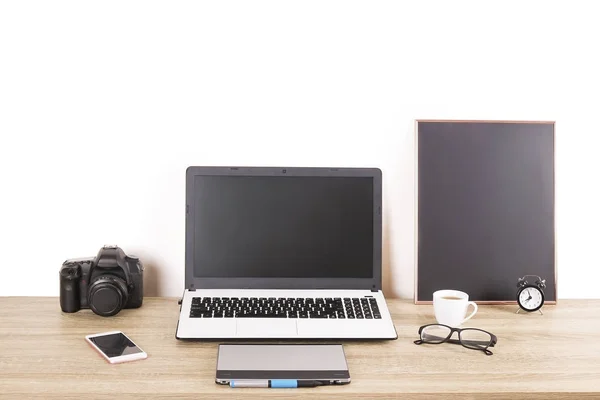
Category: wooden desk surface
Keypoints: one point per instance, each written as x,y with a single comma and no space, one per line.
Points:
43,354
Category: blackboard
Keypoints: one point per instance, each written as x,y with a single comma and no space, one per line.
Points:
485,208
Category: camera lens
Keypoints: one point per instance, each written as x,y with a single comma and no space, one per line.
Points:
107,295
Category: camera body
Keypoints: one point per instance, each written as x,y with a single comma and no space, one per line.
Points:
106,283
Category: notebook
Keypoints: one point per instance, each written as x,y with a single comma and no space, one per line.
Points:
281,365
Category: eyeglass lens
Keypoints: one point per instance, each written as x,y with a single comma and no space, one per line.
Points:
435,333
475,339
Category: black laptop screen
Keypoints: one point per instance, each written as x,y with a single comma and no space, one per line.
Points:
283,227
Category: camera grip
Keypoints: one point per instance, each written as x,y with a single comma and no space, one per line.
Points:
69,289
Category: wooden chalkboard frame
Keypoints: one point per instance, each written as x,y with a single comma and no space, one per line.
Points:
416,207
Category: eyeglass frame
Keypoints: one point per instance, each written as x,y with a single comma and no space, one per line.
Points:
448,339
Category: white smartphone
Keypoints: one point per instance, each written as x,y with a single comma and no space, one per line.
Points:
116,347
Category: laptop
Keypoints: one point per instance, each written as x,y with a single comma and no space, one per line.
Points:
283,253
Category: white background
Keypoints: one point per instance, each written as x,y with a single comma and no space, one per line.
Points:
104,104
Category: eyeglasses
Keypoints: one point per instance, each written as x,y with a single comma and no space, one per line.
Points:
471,338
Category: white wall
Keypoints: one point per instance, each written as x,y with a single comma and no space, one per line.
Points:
104,104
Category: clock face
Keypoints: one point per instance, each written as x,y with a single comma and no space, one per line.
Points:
531,298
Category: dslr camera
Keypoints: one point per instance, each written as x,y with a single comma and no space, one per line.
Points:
106,283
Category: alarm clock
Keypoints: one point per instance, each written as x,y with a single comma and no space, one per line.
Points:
530,296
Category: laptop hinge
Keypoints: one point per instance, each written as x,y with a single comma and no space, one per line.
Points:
374,289
180,301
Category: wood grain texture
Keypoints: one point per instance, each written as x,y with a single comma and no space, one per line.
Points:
43,355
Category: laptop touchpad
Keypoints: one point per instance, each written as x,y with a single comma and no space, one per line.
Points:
266,328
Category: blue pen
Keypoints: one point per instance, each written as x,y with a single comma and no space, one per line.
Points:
274,383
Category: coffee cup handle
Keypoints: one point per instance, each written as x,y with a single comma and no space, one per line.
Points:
473,313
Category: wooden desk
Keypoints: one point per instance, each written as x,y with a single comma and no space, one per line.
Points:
43,354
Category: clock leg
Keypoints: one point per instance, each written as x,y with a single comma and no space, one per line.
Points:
518,309
540,310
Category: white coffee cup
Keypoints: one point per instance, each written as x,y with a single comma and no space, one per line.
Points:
450,307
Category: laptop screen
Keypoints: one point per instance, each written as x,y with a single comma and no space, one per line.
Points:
283,226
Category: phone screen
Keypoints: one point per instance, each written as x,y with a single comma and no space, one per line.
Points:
115,345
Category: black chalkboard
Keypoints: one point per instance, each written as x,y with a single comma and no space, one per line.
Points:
485,208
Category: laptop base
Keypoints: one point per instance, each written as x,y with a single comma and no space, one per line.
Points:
351,326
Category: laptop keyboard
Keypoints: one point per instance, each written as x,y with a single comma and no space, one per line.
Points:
272,307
